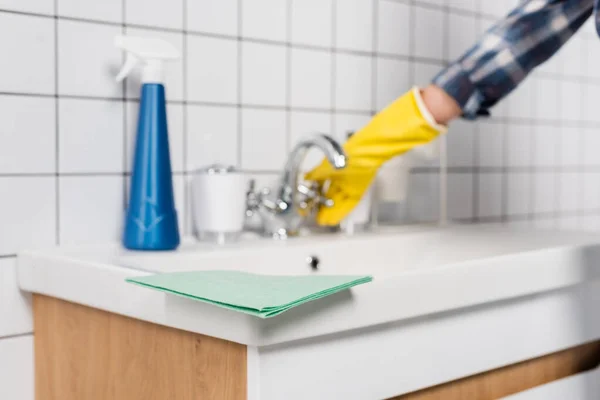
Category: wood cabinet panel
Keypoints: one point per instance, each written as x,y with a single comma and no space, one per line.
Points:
83,353
514,378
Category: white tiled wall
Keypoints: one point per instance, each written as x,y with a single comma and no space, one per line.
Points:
256,75
16,368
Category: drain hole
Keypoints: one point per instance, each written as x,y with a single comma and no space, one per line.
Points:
313,262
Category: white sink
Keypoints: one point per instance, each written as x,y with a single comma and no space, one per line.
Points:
481,296
422,270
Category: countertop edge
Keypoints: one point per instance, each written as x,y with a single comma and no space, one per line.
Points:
419,294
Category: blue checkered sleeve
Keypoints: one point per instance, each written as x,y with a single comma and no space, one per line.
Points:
527,37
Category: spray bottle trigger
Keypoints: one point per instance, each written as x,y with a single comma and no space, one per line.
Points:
131,62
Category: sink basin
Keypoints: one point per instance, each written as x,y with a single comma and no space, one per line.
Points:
386,253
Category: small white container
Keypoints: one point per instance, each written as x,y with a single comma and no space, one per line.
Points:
218,203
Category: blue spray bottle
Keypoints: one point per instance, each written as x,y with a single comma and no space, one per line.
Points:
151,218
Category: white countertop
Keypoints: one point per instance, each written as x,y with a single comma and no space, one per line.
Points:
417,271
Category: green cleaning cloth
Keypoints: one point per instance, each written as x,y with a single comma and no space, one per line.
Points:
263,296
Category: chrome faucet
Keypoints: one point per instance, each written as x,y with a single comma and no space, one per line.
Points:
283,210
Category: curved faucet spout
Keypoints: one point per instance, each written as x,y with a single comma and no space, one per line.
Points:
286,207
331,149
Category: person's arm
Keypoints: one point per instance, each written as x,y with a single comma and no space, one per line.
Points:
503,57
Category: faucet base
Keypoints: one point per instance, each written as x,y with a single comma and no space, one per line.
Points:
282,234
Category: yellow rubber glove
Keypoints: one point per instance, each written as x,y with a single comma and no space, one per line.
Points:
397,129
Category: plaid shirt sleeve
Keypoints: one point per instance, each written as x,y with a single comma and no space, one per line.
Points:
509,50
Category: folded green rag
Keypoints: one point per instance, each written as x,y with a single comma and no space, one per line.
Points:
263,296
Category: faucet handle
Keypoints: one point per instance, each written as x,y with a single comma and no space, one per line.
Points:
311,194
257,199
252,198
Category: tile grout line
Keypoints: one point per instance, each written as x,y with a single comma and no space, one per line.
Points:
333,67
125,118
504,177
476,173
443,182
444,175
417,170
498,120
476,140
288,76
17,336
62,174
493,120
532,170
187,206
439,169
374,60
581,150
411,39
424,5
56,127
240,138
543,216
453,10
559,157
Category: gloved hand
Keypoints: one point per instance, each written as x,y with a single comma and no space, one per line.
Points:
401,126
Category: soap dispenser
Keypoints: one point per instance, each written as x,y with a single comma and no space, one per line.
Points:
151,217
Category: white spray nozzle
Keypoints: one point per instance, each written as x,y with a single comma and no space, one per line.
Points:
130,63
150,52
